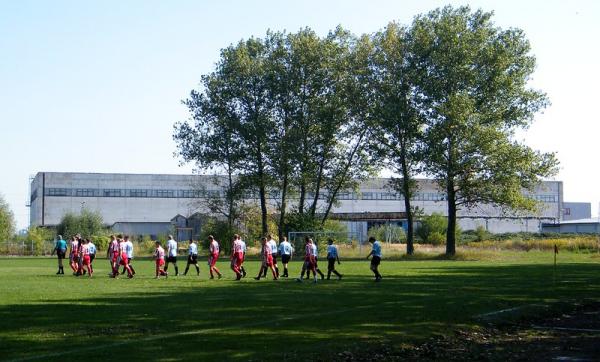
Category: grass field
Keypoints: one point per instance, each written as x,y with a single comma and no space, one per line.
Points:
48,317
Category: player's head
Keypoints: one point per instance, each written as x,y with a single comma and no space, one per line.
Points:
191,241
211,238
236,237
263,241
330,241
126,237
371,239
59,237
310,241
113,237
285,238
157,243
269,236
170,237
119,236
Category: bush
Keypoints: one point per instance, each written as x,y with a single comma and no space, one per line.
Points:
435,224
393,233
481,233
88,224
436,238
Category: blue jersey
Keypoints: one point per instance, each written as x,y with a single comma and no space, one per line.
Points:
129,249
285,248
92,248
332,251
61,245
376,249
193,249
244,248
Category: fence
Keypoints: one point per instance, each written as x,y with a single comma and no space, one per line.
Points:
24,248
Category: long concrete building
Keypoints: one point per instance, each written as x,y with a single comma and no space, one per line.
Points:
154,204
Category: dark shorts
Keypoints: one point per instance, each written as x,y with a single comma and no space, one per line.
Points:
128,260
274,259
330,263
285,258
171,259
375,260
193,259
61,254
92,257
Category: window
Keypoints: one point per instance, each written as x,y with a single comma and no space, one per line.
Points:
138,193
58,192
164,193
111,193
85,192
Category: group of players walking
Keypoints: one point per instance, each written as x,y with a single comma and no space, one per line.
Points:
120,254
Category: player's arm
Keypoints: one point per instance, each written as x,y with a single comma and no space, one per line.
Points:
371,253
337,256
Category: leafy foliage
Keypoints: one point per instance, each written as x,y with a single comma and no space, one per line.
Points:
7,221
88,224
391,233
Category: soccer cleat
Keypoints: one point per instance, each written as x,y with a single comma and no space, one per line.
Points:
299,280
340,277
256,278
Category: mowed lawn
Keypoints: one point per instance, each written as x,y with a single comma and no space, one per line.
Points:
48,317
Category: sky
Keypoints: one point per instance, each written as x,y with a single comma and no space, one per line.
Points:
96,86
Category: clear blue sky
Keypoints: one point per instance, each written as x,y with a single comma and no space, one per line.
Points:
95,86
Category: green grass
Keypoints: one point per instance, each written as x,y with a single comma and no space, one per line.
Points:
64,317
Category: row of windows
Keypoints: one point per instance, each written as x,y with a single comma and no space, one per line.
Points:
91,192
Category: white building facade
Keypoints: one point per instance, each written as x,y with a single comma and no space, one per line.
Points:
148,198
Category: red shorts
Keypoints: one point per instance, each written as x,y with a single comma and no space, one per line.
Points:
115,257
123,259
269,260
238,259
160,262
212,260
86,260
310,262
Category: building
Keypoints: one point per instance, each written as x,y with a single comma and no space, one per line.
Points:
581,226
147,204
576,211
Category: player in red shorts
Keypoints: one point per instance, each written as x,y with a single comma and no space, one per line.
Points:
112,254
74,255
267,257
159,257
213,247
87,262
123,259
237,256
309,260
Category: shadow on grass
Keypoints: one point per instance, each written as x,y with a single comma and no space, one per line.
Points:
281,320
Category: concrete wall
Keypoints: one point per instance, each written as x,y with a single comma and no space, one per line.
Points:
576,211
374,196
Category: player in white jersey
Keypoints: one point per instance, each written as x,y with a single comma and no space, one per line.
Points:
332,257
74,255
316,270
85,252
244,248
285,250
309,260
272,244
159,258
213,247
172,254
237,256
112,254
267,259
192,257
129,252
123,260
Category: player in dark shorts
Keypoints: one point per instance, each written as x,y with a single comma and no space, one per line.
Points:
61,251
332,257
192,257
376,260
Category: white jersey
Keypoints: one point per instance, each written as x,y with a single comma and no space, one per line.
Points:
272,244
238,246
285,248
214,247
193,249
172,247
243,245
129,249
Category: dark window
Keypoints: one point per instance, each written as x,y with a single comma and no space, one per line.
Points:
58,192
112,193
138,193
85,192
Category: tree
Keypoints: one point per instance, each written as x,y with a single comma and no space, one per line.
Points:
7,221
88,224
396,119
472,88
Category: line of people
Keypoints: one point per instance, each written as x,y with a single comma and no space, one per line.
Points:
120,254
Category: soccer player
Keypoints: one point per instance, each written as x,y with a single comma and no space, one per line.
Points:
285,250
93,251
86,261
309,260
129,252
172,254
73,255
244,248
237,256
124,260
272,244
267,258
213,248
112,254
159,257
192,257
316,254
332,256
61,250
376,253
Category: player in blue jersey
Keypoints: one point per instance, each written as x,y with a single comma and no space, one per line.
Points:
192,257
376,260
332,256
285,250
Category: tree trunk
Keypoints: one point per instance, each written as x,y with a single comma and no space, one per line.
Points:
262,190
451,232
284,188
313,207
410,247
302,196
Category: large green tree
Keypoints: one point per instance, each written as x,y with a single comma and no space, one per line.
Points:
7,221
473,89
397,122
